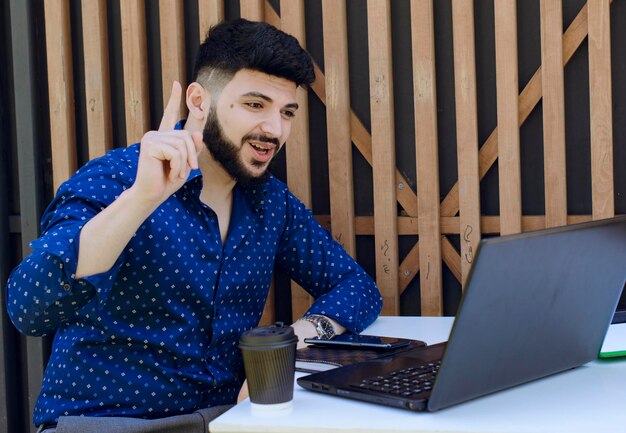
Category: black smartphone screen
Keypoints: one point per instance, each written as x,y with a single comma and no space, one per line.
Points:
360,341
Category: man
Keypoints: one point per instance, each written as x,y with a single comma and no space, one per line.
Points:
156,257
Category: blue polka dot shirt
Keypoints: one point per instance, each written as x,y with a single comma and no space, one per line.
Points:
157,335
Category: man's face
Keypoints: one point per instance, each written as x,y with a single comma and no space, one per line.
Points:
249,124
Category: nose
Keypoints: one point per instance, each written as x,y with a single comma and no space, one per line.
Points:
272,125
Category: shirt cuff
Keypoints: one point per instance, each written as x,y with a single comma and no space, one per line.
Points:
66,249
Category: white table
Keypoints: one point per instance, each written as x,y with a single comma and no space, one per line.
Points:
591,398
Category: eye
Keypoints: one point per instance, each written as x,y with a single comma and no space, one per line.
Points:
289,114
254,105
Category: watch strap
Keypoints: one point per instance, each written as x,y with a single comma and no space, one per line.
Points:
323,326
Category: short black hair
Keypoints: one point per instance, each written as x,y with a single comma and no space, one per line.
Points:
241,44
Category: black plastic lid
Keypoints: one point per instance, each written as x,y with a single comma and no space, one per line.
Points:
276,335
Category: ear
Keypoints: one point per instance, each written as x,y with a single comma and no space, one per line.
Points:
198,101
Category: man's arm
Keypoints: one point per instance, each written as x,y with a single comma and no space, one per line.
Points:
342,289
165,159
85,234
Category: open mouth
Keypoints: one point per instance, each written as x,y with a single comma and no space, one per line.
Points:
262,151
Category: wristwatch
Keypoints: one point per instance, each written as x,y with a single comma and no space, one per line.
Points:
323,326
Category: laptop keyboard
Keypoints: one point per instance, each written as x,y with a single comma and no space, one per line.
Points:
406,382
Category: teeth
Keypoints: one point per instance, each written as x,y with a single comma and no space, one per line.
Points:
260,148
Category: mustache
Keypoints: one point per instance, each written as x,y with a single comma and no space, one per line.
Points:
262,138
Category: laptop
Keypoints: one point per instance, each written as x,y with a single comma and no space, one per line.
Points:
620,311
535,304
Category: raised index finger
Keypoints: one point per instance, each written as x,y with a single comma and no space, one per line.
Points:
171,111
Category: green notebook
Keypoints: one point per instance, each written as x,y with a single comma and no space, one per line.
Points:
615,342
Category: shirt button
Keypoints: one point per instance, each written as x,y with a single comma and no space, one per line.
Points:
66,287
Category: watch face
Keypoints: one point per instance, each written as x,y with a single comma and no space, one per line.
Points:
327,327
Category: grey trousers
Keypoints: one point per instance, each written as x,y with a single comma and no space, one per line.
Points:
196,422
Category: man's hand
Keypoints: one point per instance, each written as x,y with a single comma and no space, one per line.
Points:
166,156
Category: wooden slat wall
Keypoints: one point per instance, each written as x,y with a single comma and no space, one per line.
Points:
210,13
423,213
383,153
338,124
425,101
505,12
600,104
97,84
466,130
135,59
553,112
171,21
252,9
297,150
60,90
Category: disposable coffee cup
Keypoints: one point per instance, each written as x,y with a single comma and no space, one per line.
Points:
269,359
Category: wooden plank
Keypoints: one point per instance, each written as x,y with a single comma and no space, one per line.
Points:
60,90
408,226
172,37
383,153
600,108
298,156
426,150
338,123
271,17
210,12
252,10
97,79
508,116
466,130
553,112
135,59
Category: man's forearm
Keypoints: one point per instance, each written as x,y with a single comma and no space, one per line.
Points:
105,236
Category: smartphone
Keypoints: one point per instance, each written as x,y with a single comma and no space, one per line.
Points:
359,341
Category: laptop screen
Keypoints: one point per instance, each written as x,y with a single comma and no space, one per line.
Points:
620,312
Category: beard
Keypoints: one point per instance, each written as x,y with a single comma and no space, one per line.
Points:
228,154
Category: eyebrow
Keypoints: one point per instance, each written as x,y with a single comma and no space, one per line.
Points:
268,99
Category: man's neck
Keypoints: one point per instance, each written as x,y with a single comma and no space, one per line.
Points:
217,185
